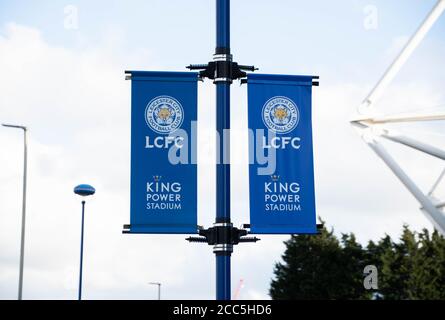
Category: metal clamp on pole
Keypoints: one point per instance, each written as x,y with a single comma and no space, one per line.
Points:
222,69
223,236
223,249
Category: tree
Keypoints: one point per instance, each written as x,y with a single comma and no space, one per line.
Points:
427,277
396,266
318,267
414,268
354,261
324,267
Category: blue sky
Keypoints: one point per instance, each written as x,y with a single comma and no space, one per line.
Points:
68,87
296,33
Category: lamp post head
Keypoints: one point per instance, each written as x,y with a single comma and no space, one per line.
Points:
84,190
14,126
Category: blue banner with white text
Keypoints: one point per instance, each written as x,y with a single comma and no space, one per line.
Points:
281,169
163,152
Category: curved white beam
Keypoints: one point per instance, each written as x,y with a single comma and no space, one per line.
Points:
412,44
427,206
406,118
415,144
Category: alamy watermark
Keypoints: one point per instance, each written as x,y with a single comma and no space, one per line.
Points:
371,19
263,145
71,17
370,282
164,115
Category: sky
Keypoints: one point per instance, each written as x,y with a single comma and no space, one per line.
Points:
62,76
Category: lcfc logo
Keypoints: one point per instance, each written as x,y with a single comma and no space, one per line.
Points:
164,114
280,114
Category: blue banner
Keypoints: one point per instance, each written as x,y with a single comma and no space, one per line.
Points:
163,155
281,170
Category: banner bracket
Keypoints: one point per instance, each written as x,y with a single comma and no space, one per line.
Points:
222,69
315,82
223,234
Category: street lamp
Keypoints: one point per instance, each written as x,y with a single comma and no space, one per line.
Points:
83,190
22,241
159,288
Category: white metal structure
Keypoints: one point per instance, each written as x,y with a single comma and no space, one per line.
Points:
372,127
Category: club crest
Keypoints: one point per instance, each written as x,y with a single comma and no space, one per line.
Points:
280,114
164,114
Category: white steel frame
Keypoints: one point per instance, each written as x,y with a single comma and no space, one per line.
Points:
372,129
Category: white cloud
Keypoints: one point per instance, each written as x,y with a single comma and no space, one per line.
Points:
77,107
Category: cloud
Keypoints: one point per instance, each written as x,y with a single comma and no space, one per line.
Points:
76,104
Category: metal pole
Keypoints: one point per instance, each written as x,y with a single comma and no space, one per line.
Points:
25,176
22,241
222,53
159,288
81,251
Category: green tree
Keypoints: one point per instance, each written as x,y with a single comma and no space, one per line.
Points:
412,269
324,267
427,280
319,267
396,266
354,259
